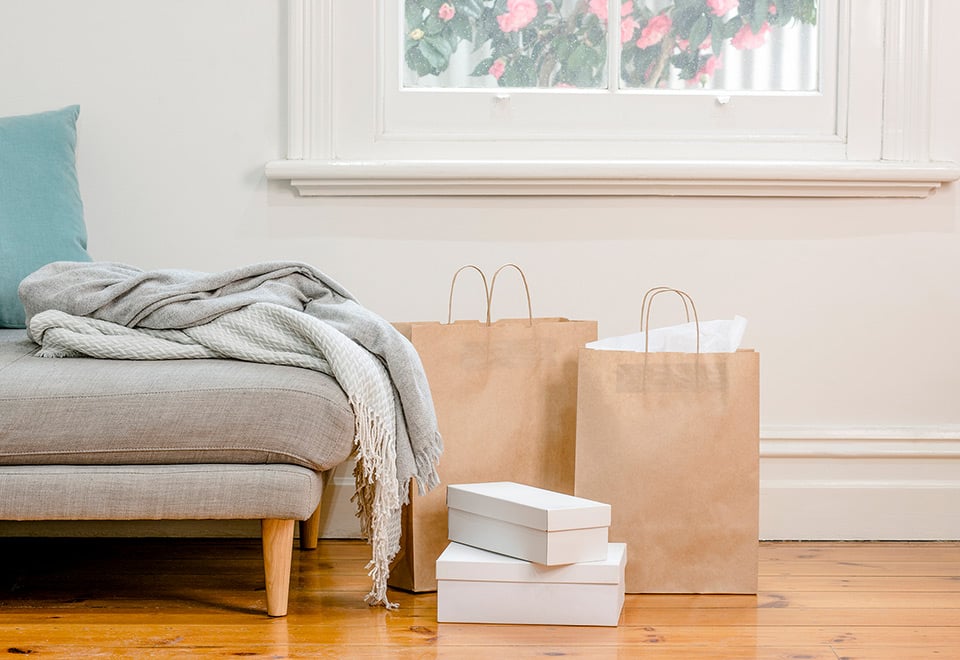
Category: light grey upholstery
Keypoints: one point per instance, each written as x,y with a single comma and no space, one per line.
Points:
158,492
83,411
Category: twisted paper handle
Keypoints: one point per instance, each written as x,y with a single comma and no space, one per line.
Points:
526,288
647,305
486,291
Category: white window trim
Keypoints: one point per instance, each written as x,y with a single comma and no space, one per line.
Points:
887,154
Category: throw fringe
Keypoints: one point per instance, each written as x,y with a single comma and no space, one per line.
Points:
427,466
377,498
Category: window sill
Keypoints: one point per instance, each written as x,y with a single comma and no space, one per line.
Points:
338,178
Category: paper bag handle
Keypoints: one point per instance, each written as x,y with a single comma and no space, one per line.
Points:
646,297
648,304
493,283
486,292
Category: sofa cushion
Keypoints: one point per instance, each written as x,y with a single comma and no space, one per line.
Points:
41,214
158,492
84,411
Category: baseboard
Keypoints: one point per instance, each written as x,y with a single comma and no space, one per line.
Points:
866,483
836,483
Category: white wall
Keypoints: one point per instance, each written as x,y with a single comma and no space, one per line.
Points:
854,305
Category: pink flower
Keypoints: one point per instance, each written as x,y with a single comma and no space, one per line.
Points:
446,12
598,7
628,25
747,39
497,68
772,10
721,7
655,30
712,64
519,15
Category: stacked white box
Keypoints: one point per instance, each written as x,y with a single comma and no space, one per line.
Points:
476,586
526,555
528,523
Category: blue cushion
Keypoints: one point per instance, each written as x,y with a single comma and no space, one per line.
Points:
41,215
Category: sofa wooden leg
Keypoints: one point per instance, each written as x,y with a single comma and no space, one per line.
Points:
310,528
310,531
277,554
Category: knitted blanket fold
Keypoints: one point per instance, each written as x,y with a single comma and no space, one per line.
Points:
281,313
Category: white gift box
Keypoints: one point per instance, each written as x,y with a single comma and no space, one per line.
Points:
476,586
528,523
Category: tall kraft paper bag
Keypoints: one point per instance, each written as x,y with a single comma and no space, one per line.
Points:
505,395
671,442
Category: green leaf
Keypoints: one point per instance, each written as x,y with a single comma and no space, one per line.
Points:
581,68
417,62
483,68
433,55
807,12
582,56
732,26
413,13
487,29
684,20
433,25
521,72
699,32
597,36
461,27
562,47
716,37
469,8
442,45
688,63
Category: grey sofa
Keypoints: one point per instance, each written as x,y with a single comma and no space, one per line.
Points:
87,439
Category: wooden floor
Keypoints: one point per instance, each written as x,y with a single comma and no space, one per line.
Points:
188,598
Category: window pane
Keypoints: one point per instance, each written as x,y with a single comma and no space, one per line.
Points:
458,44
757,45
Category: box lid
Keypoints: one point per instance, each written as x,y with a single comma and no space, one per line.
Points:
463,562
528,506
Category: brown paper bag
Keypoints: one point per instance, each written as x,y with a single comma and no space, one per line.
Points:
505,395
671,442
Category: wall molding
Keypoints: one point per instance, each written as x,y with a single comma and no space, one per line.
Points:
926,442
319,178
860,483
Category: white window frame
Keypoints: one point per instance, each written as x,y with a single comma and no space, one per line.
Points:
517,124
342,139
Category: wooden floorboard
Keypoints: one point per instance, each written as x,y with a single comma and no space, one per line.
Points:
145,598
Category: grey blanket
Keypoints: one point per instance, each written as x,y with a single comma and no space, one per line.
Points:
178,299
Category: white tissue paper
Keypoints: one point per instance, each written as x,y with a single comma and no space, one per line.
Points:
720,336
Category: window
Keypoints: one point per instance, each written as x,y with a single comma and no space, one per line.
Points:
391,97
769,45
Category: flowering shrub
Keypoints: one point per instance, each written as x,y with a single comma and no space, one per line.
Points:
542,43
